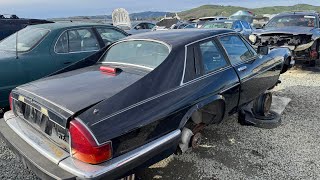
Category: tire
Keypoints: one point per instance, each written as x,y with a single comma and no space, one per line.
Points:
271,121
262,104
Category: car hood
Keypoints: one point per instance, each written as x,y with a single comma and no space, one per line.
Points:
77,90
285,30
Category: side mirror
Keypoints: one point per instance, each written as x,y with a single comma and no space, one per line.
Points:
263,50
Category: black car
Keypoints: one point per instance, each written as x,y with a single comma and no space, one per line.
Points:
13,23
243,27
147,96
298,31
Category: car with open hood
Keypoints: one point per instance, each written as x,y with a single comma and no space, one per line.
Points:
39,50
298,31
148,96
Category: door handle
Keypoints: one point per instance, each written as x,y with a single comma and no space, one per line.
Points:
243,68
69,62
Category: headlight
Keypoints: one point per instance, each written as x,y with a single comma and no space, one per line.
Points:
253,38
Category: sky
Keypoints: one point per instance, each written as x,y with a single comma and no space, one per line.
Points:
67,8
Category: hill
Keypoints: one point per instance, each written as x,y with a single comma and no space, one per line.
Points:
218,10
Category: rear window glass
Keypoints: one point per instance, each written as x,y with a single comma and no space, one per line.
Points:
23,40
147,54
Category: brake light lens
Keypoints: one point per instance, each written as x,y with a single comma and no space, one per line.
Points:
10,101
85,148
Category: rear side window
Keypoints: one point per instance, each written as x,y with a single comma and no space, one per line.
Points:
212,57
109,35
78,40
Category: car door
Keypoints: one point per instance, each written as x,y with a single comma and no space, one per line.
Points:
256,72
214,76
74,45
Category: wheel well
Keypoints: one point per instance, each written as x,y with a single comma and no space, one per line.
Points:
212,113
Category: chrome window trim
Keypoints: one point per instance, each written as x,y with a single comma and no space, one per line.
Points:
186,52
76,28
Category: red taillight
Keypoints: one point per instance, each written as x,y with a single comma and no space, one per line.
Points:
108,70
85,148
10,101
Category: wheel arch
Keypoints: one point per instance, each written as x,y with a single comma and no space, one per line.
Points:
216,100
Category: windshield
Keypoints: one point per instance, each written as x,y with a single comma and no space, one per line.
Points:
292,20
147,54
217,25
27,39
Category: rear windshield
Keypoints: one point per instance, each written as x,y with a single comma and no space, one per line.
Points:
140,53
26,39
217,25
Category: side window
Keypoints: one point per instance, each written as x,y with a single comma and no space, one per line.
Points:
110,35
236,49
77,41
150,26
62,44
212,58
82,40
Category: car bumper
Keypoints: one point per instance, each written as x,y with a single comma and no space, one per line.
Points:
46,165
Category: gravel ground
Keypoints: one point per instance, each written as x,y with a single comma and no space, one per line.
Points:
231,151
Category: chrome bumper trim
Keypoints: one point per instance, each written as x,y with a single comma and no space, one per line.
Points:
132,158
110,168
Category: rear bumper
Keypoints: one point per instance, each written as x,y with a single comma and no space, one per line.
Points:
40,165
46,165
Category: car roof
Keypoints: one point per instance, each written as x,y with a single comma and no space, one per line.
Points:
310,13
179,37
64,25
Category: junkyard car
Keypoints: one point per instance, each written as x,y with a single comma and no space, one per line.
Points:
129,109
40,50
138,27
11,24
298,31
240,26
